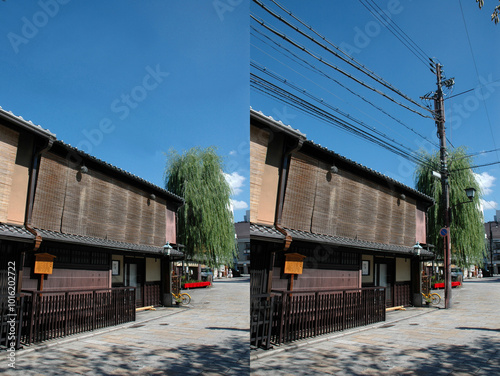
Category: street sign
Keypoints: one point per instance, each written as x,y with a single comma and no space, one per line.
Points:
443,232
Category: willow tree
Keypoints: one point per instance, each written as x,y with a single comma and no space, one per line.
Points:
466,220
205,222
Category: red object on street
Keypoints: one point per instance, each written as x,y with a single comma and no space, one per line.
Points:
196,284
441,285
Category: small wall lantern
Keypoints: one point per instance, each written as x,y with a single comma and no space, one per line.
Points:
167,248
417,248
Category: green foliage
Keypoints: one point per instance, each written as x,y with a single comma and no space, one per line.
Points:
205,223
496,12
466,223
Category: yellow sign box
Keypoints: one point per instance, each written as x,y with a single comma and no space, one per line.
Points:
44,263
294,263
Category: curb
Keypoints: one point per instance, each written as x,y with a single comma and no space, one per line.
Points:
85,335
326,337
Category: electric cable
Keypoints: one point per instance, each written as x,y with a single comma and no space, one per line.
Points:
295,44
319,71
368,73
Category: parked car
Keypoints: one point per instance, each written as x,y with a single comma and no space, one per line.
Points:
207,274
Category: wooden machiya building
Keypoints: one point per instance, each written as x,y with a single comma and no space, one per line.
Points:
88,242
333,243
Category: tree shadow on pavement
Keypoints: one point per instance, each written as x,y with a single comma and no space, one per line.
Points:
230,357
479,357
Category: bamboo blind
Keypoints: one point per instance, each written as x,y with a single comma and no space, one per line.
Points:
94,204
300,193
8,150
345,204
259,140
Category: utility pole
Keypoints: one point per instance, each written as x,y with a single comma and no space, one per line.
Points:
445,195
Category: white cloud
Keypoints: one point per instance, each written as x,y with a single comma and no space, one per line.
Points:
239,204
489,205
235,181
233,153
485,181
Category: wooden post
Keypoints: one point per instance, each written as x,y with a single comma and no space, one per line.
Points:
40,285
66,313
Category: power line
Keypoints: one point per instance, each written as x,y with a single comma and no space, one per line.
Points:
477,75
319,71
478,166
304,49
398,33
337,110
303,105
357,66
467,91
474,154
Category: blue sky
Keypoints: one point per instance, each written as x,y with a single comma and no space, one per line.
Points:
438,29
126,81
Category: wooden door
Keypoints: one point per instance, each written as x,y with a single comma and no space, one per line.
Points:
385,277
135,277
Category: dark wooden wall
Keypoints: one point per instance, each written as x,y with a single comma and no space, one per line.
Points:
68,279
345,204
96,205
318,279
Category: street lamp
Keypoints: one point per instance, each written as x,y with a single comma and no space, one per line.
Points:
470,192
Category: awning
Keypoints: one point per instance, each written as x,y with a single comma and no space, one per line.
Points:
262,232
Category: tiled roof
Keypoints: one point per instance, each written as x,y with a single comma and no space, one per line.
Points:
257,230
15,232
38,129
273,233
12,232
278,123
27,124
298,134
120,171
369,170
102,243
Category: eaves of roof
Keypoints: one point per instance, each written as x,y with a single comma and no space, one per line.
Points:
26,124
37,129
18,233
121,172
278,125
48,235
271,233
370,171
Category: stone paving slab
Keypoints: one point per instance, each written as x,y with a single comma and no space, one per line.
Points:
464,340
210,337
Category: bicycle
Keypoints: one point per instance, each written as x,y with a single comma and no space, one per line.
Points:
433,298
183,298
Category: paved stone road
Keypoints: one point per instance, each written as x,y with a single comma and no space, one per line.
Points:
210,337
464,340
